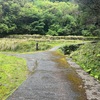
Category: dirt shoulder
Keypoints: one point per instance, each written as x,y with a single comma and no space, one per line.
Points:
91,85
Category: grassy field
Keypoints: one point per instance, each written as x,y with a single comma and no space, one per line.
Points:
13,72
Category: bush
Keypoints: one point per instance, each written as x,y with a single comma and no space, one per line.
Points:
51,32
86,33
69,48
96,32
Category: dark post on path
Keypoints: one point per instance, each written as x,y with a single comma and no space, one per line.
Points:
37,46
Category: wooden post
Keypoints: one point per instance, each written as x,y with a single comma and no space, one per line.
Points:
37,46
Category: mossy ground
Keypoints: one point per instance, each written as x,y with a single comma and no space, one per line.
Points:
13,72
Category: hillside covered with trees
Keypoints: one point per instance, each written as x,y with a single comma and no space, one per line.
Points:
50,17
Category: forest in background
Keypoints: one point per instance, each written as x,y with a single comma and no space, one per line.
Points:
50,17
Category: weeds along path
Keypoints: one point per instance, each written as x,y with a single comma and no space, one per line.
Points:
53,79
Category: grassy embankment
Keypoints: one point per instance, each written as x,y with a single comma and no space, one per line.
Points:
13,72
87,56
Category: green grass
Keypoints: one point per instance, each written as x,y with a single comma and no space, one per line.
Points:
12,73
88,57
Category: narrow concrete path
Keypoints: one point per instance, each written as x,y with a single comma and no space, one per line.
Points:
52,79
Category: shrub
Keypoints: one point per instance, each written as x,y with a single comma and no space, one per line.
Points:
51,32
69,48
85,33
96,32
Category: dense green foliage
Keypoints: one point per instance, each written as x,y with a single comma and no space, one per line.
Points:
37,17
53,17
88,57
12,73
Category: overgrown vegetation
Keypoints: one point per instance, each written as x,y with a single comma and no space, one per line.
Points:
88,57
12,73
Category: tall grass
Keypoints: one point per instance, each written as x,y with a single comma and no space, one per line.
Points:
48,37
29,45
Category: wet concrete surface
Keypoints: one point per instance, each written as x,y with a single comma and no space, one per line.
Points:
50,78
